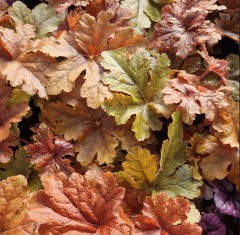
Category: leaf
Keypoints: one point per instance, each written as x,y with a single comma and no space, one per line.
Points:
163,215
234,66
183,25
48,151
9,115
228,25
3,8
89,204
140,168
141,97
175,177
14,200
217,158
42,17
18,165
19,66
5,150
193,98
225,199
121,14
62,6
232,5
227,124
94,132
138,8
211,222
82,49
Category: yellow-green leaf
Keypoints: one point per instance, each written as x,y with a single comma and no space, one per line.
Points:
138,82
140,168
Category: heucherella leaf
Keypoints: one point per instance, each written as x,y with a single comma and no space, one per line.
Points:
43,17
140,168
174,177
136,94
19,165
157,217
14,199
89,204
139,19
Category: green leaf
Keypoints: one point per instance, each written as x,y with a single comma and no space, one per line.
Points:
173,150
19,96
43,17
34,181
139,82
179,184
233,64
140,168
139,19
153,13
18,165
235,92
173,177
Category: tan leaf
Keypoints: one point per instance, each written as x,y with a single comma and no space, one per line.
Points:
214,158
79,205
95,133
18,66
218,157
14,199
227,124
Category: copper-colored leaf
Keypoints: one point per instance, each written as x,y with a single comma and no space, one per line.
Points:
193,98
14,199
121,15
48,151
184,25
18,65
163,215
217,160
79,205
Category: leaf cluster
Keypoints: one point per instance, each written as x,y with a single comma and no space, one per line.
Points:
118,117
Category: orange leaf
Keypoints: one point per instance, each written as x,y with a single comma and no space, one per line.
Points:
165,216
79,205
14,199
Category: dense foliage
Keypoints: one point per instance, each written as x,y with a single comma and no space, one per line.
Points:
119,117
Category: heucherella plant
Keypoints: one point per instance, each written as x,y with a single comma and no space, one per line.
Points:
119,117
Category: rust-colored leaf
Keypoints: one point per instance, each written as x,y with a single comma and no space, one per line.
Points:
184,25
79,205
48,151
166,216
